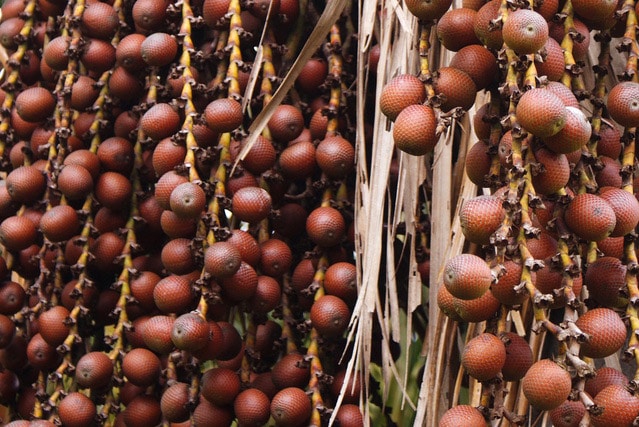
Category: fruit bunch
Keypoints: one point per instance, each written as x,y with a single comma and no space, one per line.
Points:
160,263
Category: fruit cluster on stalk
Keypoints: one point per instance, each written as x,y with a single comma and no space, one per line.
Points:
158,265
547,280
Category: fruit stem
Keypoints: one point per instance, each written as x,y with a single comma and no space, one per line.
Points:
572,77
424,65
630,38
334,79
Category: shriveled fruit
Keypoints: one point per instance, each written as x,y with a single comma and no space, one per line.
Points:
415,130
590,217
484,356
400,92
462,415
606,330
546,385
467,276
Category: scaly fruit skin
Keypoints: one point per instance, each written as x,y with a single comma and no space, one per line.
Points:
568,414
484,356
546,385
467,276
620,407
554,174
605,278
414,130
604,377
541,112
400,92
525,31
427,10
519,357
455,29
606,330
623,103
574,134
626,209
590,217
480,217
462,415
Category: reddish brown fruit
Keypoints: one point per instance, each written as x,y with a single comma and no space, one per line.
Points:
7,330
98,56
400,92
581,43
490,37
188,200
340,279
564,93
541,112
222,259
553,64
478,309
479,63
75,409
17,233
220,386
573,135
26,184
105,249
208,414
553,174
291,407
144,411
165,185
330,316
128,54
456,88
484,356
190,332
604,377
427,10
609,144
59,223
478,163
99,20
40,354
590,217
286,123
261,157
247,245
335,156
415,130
251,204
215,345
113,190
504,289
462,415
142,289
313,75
568,414
84,92
160,121
519,357
325,226
290,371
298,160
94,370
605,279
276,257
52,325
606,330
85,158
620,407
158,49
156,333
525,31
455,29
241,285
173,294
546,385
35,104
467,276
174,403
9,29
610,174
626,209
445,304
214,10
252,407
116,155
149,15
223,115
480,217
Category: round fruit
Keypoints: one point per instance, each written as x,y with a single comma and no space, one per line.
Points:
325,226
251,204
504,289
490,37
190,332
623,103
620,407
455,88
525,31
60,223
286,123
220,386
128,54
160,121
7,330
291,407
252,407
553,64
541,112
573,135
455,29
290,371
480,217
467,276
606,330
427,10
223,115
604,377
75,182
158,49
546,385
479,63
187,200
462,415
35,104
568,414
478,309
349,415
519,357
222,259
626,209
330,316
174,403
553,174
94,370
605,279
25,184
173,294
484,356
75,409
144,411
590,217
17,233
415,130
335,156
400,92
